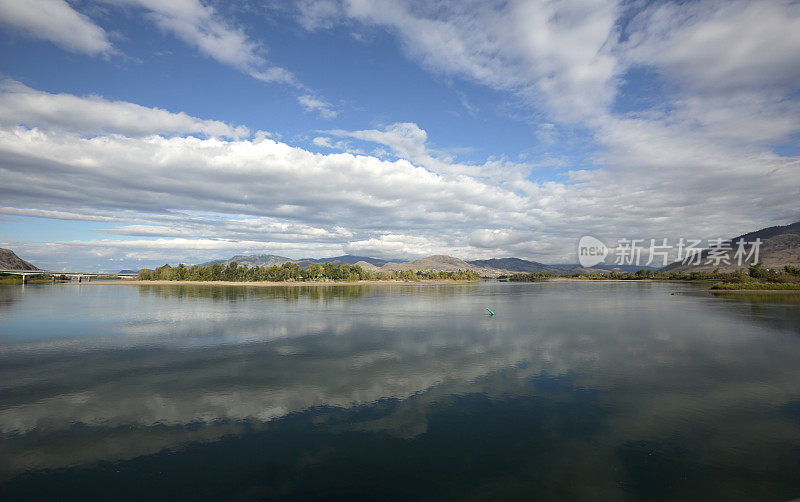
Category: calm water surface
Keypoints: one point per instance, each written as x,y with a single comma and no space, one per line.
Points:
595,391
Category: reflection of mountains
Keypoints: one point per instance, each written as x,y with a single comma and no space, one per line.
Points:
387,362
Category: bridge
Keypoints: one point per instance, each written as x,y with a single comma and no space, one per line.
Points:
72,275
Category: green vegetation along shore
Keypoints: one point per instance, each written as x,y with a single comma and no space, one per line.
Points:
762,279
755,278
291,271
639,275
760,286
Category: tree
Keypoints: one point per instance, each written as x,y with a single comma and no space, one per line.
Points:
229,274
314,271
758,271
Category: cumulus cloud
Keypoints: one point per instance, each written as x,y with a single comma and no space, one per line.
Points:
700,161
56,21
210,194
730,72
21,105
259,177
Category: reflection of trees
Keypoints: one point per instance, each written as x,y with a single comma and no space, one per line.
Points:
318,293
6,299
777,310
243,293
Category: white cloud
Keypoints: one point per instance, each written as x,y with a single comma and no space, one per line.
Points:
718,46
499,238
258,177
21,105
323,141
315,104
399,246
697,163
316,14
200,26
343,146
702,153
254,195
407,140
554,55
57,22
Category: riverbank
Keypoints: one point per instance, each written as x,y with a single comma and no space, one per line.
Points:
586,279
136,282
753,291
757,286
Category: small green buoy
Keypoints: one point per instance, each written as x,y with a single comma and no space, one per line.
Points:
490,311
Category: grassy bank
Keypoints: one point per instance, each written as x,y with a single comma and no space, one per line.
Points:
641,275
756,278
756,286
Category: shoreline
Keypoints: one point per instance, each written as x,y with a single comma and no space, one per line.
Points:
752,291
581,279
424,282
282,284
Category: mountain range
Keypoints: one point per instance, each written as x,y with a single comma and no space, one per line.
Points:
269,260
436,263
780,245
518,265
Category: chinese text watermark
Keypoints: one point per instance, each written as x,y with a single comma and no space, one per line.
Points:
657,252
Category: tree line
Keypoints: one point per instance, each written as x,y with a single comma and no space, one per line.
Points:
755,273
290,271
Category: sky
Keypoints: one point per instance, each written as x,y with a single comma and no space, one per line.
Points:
140,132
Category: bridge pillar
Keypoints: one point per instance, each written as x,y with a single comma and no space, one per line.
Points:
24,279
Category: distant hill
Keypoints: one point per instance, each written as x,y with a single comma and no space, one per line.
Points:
780,246
435,263
518,265
624,268
367,266
269,260
252,260
348,258
486,268
10,261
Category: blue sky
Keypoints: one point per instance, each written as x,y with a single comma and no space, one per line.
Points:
138,132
